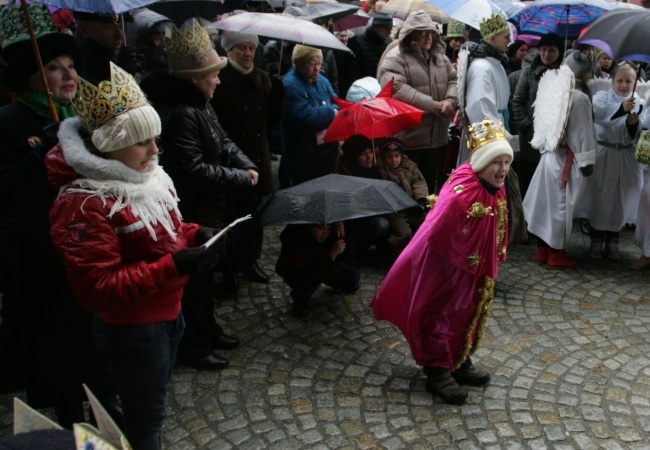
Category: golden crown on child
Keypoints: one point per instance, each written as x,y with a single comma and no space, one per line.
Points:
484,132
96,105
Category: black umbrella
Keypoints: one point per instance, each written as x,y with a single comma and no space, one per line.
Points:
327,11
333,198
622,34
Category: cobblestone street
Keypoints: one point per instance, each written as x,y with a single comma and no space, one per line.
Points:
567,350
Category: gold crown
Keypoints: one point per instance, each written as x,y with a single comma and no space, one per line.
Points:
96,105
484,132
195,41
494,24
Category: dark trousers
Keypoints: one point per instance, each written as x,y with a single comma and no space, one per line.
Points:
431,162
363,233
201,328
304,282
140,360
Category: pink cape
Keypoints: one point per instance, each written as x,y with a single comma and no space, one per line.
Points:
439,291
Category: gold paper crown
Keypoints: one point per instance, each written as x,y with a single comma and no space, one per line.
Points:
13,26
494,24
96,105
195,41
484,132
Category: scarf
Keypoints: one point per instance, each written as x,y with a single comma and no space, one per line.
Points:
37,102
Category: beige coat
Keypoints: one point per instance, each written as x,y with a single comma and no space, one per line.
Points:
420,82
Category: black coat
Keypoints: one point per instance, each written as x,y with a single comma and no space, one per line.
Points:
367,49
205,165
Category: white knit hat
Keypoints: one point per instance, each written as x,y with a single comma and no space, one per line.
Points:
128,128
229,39
484,155
486,140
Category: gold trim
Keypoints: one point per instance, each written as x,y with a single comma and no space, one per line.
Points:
479,320
502,226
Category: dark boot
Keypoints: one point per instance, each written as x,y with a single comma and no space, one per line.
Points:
300,306
256,275
230,283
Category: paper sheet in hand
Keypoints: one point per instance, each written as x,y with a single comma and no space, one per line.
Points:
223,232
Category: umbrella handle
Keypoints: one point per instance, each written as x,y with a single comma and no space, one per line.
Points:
638,74
281,42
41,70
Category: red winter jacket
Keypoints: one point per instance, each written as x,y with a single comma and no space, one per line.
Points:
115,268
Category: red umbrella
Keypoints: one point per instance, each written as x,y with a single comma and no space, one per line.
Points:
376,117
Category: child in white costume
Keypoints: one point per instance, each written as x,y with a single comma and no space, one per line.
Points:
568,154
611,197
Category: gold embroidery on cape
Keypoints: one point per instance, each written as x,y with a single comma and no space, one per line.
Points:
479,320
474,260
458,189
502,226
478,209
464,230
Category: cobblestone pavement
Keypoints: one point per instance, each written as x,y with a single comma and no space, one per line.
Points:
567,350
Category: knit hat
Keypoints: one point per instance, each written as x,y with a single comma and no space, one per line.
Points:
353,147
133,126
23,64
391,144
303,53
486,140
552,39
230,39
455,29
578,62
191,53
495,24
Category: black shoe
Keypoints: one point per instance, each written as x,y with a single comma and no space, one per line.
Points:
210,362
445,387
256,275
230,283
301,308
225,342
471,376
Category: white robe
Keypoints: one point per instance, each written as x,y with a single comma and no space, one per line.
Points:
547,207
487,91
642,232
611,197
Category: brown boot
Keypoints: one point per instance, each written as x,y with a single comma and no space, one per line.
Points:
642,263
445,387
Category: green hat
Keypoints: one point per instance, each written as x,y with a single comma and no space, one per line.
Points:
13,27
455,30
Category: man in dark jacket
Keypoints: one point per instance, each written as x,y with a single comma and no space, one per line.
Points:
367,48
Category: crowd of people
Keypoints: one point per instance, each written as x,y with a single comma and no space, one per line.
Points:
102,249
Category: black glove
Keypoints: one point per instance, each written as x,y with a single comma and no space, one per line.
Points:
190,260
48,140
130,60
587,170
423,202
204,234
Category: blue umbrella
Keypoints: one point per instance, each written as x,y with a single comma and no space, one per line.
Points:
98,6
563,17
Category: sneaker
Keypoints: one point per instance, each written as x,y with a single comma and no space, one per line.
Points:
559,260
471,376
445,387
611,251
596,249
542,255
642,263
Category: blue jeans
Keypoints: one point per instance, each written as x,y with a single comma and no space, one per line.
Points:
140,360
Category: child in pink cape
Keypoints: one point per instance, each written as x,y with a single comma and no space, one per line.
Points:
440,289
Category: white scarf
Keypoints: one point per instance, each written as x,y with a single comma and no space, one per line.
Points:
151,195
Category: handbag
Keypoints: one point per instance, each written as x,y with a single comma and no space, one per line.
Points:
642,151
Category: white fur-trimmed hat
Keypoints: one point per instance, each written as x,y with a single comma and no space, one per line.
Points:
486,140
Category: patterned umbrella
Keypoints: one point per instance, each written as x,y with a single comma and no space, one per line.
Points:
563,17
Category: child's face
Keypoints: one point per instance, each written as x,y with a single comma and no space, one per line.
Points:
495,173
136,156
392,160
604,61
320,233
366,159
623,82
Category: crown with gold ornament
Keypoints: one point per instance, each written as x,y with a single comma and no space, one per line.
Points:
96,105
484,132
194,42
13,26
494,24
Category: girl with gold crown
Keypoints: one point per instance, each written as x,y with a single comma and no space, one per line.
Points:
439,290
127,252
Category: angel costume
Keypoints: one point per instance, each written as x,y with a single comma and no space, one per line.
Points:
558,183
439,291
612,193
